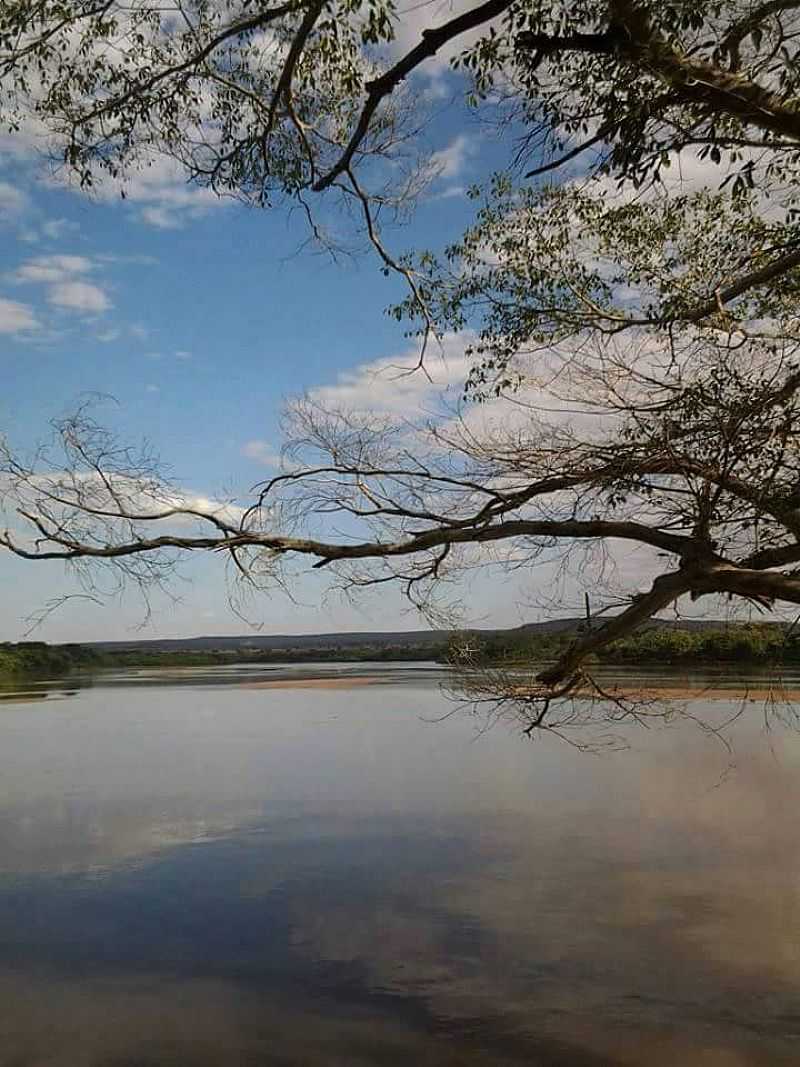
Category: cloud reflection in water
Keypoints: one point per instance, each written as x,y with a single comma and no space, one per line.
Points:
197,876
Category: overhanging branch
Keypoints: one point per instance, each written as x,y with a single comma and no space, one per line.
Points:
328,552
377,90
664,591
692,81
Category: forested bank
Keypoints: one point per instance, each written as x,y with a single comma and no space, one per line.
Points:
38,659
751,643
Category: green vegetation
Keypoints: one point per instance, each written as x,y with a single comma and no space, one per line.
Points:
37,659
749,643
205,658
754,643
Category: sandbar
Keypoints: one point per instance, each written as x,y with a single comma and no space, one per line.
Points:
313,683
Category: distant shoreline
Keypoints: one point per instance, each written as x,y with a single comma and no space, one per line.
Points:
671,645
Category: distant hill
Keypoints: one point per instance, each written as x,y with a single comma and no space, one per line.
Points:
285,642
379,640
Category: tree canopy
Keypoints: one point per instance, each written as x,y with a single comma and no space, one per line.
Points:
628,286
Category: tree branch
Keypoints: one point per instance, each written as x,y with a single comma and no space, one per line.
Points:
432,41
776,269
767,558
732,40
236,29
693,81
753,584
664,590
328,552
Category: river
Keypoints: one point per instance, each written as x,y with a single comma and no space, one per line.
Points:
200,870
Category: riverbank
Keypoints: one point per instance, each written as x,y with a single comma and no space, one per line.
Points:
36,659
767,646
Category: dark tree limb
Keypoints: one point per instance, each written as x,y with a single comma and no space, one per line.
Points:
664,591
377,90
755,18
693,81
328,552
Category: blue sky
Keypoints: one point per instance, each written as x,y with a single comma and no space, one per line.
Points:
199,317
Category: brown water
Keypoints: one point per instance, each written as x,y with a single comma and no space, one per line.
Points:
197,872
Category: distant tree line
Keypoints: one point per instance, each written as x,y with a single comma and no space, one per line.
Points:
37,659
137,657
754,643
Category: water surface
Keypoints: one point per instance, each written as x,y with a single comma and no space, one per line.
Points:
197,871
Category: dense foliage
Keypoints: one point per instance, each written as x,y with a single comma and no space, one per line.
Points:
35,658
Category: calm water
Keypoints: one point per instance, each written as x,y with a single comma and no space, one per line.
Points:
194,872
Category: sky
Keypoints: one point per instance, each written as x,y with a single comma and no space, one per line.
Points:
192,319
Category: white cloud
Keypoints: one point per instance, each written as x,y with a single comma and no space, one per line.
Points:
15,317
262,452
450,161
51,269
222,509
183,354
156,187
79,296
450,192
161,194
392,384
152,388
134,260
64,277
160,217
687,174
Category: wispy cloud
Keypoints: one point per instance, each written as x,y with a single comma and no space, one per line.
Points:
262,452
393,384
450,193
79,296
13,202
107,336
55,229
161,217
55,268
160,194
16,317
450,162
